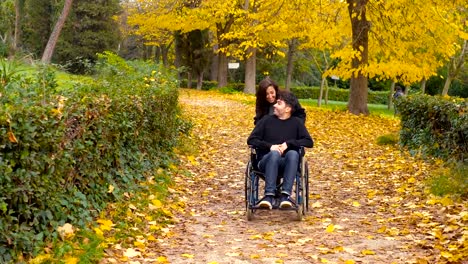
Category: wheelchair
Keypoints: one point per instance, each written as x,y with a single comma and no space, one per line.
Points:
254,178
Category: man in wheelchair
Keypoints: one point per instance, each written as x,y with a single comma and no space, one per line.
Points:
277,139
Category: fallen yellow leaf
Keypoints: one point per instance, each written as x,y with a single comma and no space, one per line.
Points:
157,203
131,253
254,256
162,259
330,228
65,231
71,260
139,244
12,137
367,252
185,255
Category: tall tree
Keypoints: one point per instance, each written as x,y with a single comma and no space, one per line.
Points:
90,29
454,67
19,9
7,21
360,26
50,47
37,25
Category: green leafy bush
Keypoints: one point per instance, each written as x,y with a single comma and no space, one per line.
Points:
206,85
388,139
61,152
452,180
336,94
435,126
238,87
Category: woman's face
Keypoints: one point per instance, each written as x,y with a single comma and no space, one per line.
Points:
270,94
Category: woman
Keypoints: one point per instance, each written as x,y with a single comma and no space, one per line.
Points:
266,98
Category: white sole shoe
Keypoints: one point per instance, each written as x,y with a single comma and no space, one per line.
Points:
265,204
286,204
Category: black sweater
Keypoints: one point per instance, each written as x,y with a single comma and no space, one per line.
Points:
271,130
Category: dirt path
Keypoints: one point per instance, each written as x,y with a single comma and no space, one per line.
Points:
367,202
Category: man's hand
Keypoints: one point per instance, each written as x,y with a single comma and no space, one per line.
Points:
276,148
280,148
283,147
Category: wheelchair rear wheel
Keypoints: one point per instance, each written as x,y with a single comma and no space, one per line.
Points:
302,187
306,194
248,192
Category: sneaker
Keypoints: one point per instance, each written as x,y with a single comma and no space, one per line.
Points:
266,202
285,202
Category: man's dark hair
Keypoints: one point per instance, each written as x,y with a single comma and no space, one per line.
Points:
289,99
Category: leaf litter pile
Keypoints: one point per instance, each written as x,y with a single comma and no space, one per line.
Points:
368,203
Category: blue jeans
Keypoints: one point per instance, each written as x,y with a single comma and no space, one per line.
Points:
272,163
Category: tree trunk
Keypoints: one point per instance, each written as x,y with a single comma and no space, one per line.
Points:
178,55
200,81
357,103
222,29
454,67
322,85
326,91
157,54
222,70
250,68
290,64
19,6
189,79
50,47
447,84
165,54
390,96
423,85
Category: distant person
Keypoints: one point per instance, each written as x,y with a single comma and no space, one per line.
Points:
398,93
266,97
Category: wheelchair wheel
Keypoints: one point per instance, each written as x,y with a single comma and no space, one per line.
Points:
301,192
248,191
306,194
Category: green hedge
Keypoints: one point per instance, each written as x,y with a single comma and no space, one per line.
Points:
336,94
60,152
435,126
206,85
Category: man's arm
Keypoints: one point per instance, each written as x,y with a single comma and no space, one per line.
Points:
256,137
303,138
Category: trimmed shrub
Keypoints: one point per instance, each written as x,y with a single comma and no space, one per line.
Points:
60,153
388,139
336,94
206,85
239,87
435,126
450,180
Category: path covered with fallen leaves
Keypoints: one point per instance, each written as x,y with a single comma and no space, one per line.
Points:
367,202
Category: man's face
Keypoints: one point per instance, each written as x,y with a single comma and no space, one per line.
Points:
280,108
